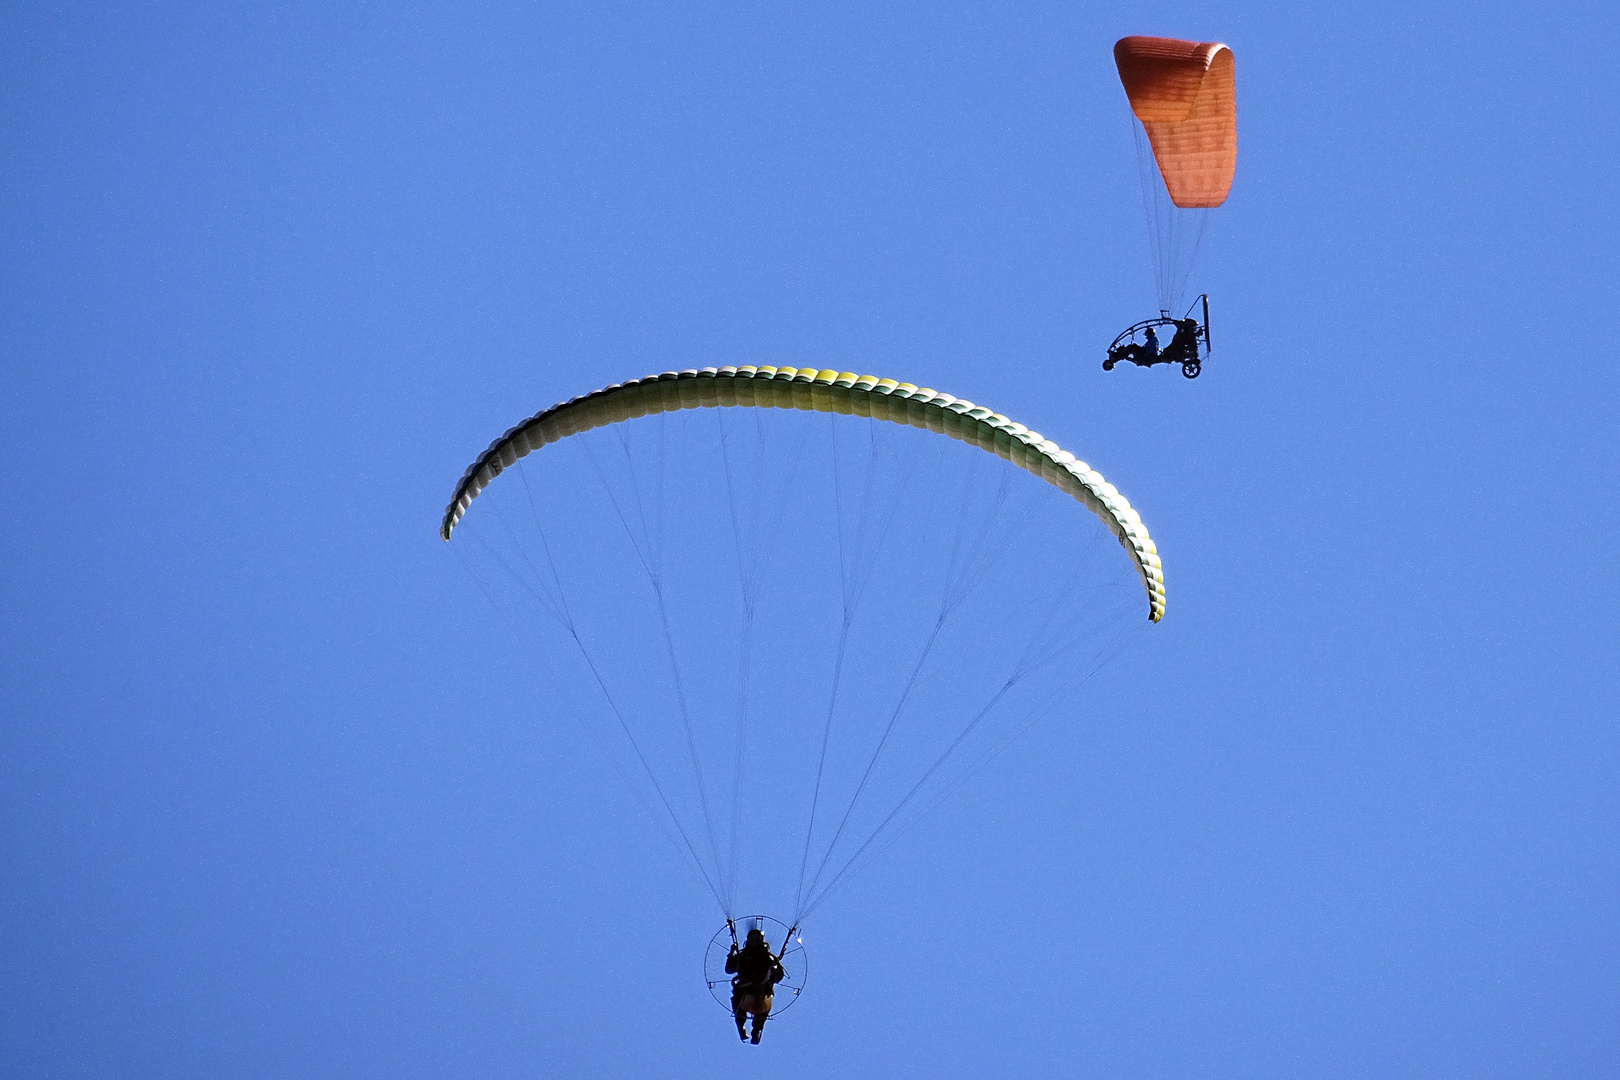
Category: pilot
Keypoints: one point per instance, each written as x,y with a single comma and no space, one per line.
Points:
756,971
1141,355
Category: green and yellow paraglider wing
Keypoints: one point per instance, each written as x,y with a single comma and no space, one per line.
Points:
824,391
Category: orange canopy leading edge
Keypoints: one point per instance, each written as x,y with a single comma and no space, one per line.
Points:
1184,93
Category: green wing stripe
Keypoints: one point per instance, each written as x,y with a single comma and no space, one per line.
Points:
825,391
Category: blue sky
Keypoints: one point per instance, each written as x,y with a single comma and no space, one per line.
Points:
275,797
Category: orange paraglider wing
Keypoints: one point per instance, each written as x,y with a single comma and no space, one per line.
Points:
1184,93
